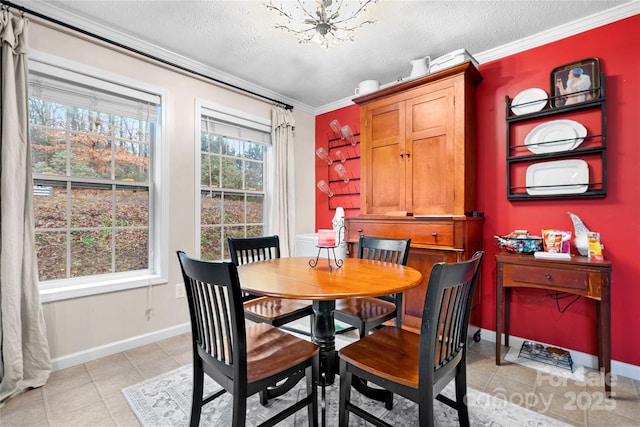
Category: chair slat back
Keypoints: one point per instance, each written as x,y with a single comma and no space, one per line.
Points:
216,311
394,251
252,249
445,318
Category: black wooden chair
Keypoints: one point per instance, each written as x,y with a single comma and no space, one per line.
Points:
368,313
274,311
414,366
244,361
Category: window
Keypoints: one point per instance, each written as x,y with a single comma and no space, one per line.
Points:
233,191
94,158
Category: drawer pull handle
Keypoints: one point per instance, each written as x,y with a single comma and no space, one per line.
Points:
548,276
434,234
359,230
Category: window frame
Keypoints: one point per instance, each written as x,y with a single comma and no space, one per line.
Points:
240,118
62,289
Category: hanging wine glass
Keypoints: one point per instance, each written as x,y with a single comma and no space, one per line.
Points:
335,125
324,187
347,134
342,172
322,153
341,156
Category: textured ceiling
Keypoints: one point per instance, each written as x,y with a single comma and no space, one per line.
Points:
237,38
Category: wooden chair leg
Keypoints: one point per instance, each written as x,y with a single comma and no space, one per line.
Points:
345,395
461,395
239,417
196,398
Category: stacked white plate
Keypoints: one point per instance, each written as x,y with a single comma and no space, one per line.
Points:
555,136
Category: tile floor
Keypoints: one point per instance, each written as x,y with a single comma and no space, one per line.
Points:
89,394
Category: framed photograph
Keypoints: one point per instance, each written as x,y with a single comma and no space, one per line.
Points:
575,83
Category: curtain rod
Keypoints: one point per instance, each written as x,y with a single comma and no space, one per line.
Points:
136,51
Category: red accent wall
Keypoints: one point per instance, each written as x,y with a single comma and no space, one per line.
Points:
616,217
325,137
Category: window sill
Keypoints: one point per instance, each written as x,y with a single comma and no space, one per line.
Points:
77,290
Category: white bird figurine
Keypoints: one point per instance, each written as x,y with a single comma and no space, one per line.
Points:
580,231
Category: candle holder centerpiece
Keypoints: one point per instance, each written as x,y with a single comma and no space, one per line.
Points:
327,240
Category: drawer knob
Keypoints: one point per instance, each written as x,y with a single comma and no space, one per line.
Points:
434,234
359,230
548,276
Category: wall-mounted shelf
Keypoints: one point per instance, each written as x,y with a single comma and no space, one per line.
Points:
532,175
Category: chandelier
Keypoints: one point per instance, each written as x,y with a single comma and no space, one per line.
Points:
331,23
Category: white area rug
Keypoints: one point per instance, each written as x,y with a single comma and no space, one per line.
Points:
166,401
577,375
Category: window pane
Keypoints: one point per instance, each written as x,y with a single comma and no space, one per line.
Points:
231,147
232,173
255,231
211,243
233,209
50,206
91,207
132,161
210,171
132,207
90,252
47,113
48,150
255,209
254,151
90,156
52,247
211,208
132,250
253,176
89,121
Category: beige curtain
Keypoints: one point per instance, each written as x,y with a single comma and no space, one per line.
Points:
24,350
283,219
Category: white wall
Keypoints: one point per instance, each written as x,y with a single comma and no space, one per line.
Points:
81,329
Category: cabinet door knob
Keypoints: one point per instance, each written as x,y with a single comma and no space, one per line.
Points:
402,154
548,276
408,154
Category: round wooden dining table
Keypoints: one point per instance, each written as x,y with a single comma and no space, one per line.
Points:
295,278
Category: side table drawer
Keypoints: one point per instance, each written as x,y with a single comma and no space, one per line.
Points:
555,277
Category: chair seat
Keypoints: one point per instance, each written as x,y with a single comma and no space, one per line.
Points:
390,353
367,309
273,310
271,350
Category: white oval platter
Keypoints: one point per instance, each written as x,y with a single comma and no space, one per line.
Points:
558,177
529,101
555,136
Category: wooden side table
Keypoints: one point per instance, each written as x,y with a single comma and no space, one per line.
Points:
580,276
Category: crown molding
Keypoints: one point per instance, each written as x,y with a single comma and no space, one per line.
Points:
569,29
151,51
608,16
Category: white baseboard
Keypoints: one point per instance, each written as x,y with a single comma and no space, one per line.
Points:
579,358
117,347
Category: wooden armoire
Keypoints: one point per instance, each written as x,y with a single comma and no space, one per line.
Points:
418,160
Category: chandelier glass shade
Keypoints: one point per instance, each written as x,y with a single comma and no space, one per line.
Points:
325,22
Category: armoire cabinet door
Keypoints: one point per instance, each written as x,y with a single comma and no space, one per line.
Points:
384,133
430,153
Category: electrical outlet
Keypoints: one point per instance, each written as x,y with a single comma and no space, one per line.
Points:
179,290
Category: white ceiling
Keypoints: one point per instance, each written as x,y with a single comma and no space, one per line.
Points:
235,42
